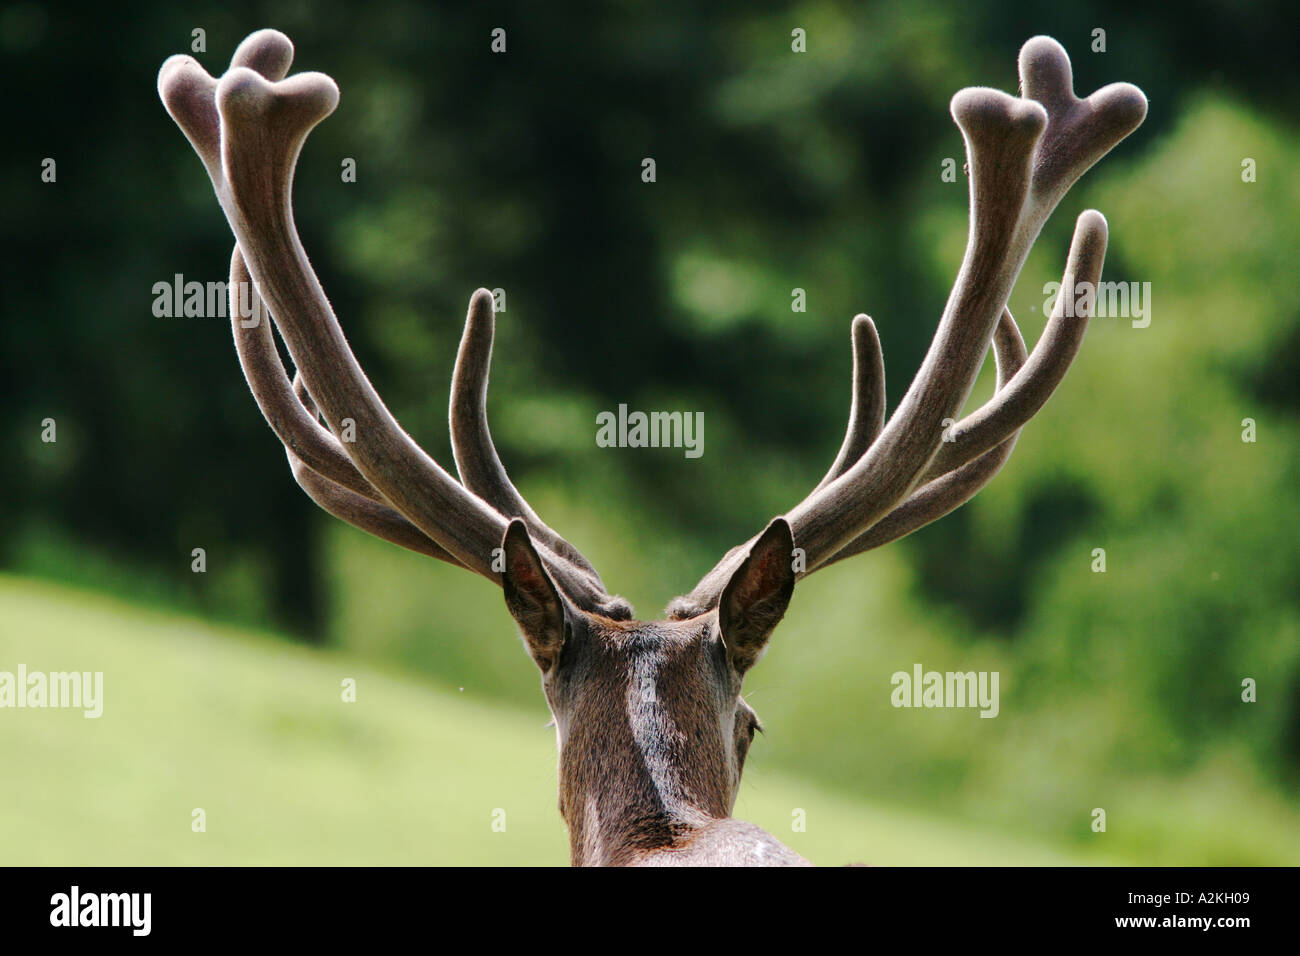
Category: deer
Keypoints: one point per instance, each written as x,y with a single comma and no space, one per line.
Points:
651,726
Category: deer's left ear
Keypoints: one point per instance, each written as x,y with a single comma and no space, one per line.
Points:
531,597
755,599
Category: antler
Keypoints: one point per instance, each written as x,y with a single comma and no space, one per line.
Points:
248,128
1023,155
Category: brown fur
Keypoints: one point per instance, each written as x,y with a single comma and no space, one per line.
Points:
652,730
653,736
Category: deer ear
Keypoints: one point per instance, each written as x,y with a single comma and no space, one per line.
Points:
531,597
755,599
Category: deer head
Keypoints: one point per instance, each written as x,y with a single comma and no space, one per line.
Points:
651,725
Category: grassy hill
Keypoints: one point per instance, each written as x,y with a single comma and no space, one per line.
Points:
254,732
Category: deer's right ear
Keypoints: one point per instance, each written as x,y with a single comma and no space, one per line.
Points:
755,599
531,597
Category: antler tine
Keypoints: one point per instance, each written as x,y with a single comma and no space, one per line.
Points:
866,418
867,408
1023,156
1000,133
261,127
1026,394
300,392
937,498
1079,131
981,443
362,512
262,130
319,464
189,92
301,433
928,503
477,461
260,123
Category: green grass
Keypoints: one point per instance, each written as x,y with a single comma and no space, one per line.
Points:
254,731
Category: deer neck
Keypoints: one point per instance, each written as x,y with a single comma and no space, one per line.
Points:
615,824
643,782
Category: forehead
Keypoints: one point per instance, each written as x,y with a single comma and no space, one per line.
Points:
630,639
606,660
609,651
665,666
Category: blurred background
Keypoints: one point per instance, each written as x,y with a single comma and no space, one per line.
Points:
776,171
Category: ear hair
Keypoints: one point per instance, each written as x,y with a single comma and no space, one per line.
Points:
531,597
756,597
